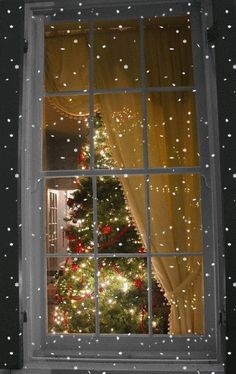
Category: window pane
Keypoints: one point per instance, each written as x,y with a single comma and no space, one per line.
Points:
123,300
103,158
117,203
71,295
168,52
175,212
160,306
116,54
118,133
64,132
172,130
66,57
182,281
69,215
122,120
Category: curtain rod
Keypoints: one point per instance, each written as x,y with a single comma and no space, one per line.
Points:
63,33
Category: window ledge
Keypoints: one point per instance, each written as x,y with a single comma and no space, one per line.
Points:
59,367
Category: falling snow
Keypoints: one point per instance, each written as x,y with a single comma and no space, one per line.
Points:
61,149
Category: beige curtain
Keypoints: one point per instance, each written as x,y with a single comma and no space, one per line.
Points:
67,69
174,199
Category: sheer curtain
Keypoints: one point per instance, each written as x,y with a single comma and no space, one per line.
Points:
174,199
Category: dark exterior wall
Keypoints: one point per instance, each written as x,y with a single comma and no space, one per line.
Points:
11,48
225,21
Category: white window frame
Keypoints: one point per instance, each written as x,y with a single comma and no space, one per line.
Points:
36,353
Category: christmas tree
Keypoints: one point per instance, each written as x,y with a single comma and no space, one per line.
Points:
122,285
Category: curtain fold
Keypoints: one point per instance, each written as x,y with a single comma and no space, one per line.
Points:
175,216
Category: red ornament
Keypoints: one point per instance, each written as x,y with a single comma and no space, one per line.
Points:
142,250
138,283
79,248
82,157
74,267
106,230
100,266
74,214
70,202
59,299
70,236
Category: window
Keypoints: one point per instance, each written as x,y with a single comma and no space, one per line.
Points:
119,179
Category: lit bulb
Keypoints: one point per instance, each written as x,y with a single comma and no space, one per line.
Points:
125,287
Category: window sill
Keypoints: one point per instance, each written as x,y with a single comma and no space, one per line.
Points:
96,367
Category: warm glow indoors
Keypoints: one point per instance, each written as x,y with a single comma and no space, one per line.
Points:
123,225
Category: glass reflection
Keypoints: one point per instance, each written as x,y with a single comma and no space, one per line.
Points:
64,134
181,279
69,222
116,54
121,129
117,229
168,52
172,130
71,295
175,212
123,300
66,57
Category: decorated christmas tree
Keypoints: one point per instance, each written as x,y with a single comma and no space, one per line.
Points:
122,285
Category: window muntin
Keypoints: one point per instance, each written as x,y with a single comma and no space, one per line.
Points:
205,191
